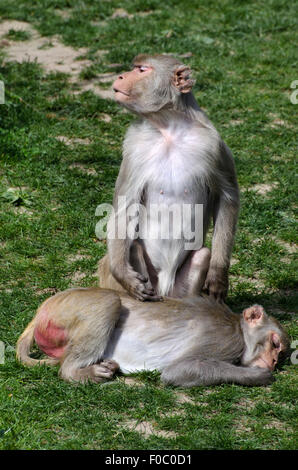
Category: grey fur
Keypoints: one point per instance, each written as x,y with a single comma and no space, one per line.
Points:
208,172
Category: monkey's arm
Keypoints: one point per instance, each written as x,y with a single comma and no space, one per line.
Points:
122,250
195,372
225,216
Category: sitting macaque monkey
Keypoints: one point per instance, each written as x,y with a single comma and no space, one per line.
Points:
173,157
92,332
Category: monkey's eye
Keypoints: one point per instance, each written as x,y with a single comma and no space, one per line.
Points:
141,68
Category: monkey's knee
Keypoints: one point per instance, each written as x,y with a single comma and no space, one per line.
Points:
103,270
106,278
201,259
199,266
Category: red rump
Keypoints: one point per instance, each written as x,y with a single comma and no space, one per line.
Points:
51,340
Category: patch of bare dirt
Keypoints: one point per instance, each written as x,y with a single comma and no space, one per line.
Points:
47,290
147,429
51,54
173,413
256,281
121,13
105,117
83,169
72,141
243,425
235,122
146,13
274,424
22,210
77,277
291,248
131,381
77,257
246,404
263,188
65,14
186,55
6,26
277,122
183,398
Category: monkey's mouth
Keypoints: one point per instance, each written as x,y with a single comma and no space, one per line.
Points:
120,91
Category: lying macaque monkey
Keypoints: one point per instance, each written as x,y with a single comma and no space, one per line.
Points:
93,332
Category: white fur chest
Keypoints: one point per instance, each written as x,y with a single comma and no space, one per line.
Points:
171,161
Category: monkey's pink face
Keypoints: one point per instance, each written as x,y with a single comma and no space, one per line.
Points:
125,85
269,356
265,352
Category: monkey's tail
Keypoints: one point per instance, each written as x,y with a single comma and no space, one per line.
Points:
24,345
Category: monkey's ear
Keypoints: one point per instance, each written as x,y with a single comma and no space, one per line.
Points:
254,315
182,80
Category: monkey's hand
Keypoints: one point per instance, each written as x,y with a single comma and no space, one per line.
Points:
257,376
217,283
137,285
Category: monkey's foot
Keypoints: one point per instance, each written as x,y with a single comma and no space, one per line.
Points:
95,373
109,364
105,370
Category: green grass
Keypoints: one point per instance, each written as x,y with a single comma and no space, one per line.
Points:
244,59
18,35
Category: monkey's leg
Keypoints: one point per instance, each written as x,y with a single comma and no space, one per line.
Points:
138,263
193,372
141,263
106,278
191,276
89,338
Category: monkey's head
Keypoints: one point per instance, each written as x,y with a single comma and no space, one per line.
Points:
265,340
155,82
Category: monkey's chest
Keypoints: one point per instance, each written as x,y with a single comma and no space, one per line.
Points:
175,205
172,181
175,196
